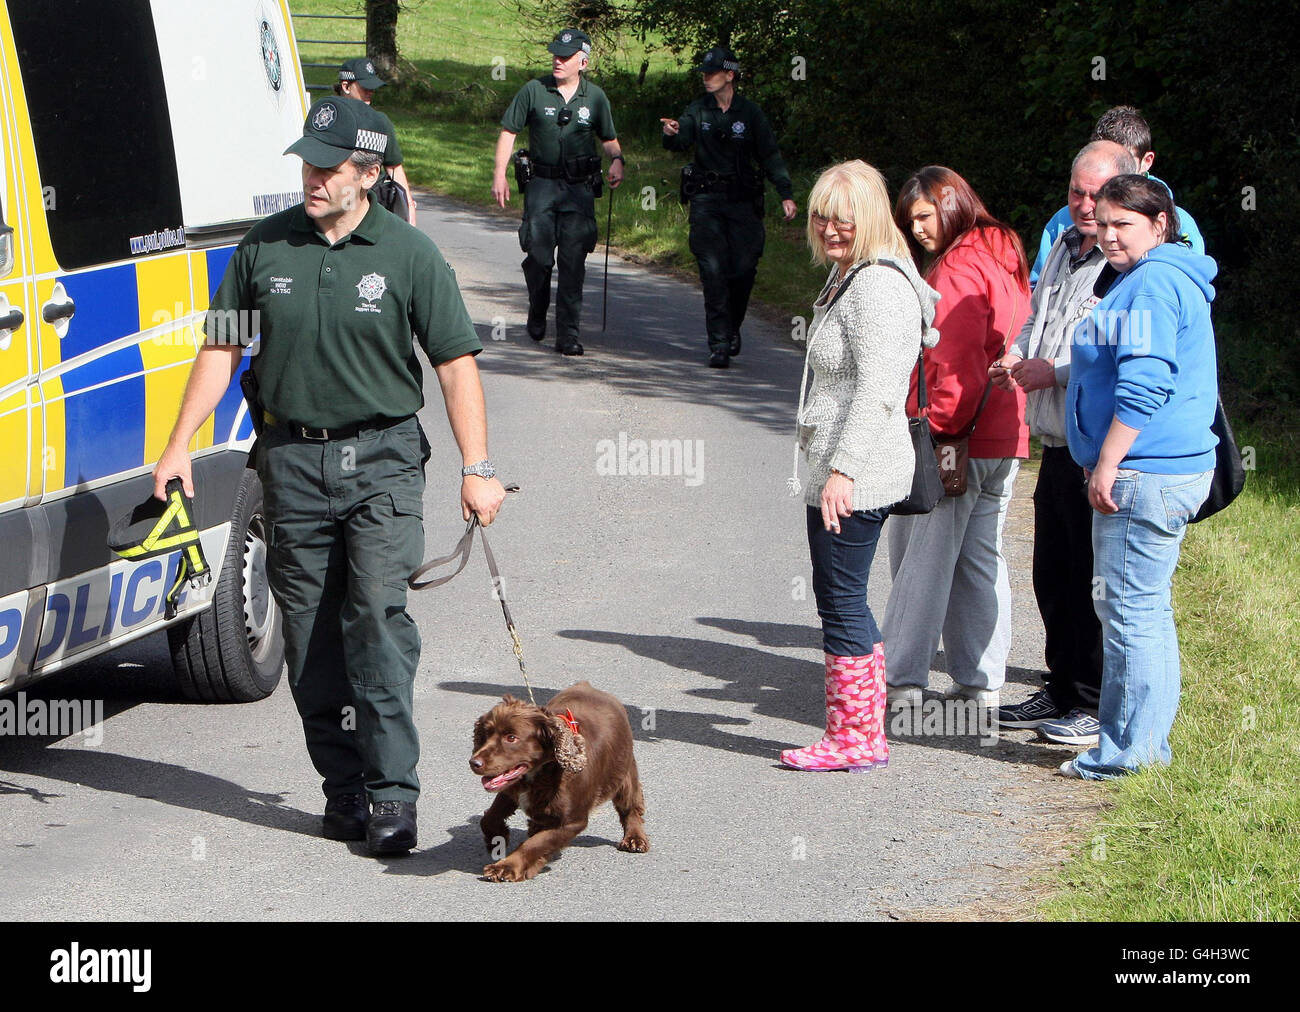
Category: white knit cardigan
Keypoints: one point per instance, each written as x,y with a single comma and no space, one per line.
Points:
862,351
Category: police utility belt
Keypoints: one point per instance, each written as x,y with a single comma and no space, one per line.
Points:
732,185
299,431
583,169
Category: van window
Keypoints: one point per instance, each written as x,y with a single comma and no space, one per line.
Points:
98,110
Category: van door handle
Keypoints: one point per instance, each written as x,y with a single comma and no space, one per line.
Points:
11,321
51,313
58,311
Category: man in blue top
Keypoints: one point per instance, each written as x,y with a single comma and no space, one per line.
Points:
1125,126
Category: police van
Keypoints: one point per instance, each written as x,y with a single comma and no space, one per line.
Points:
138,142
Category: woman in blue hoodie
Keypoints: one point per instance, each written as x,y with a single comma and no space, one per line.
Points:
1142,393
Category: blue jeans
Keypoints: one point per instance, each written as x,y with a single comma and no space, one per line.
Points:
841,564
1135,551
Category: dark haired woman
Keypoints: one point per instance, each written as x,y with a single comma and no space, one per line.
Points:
949,573
1139,405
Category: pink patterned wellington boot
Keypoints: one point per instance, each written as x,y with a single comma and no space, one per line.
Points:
855,718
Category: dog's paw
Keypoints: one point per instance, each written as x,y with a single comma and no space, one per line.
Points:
634,843
509,871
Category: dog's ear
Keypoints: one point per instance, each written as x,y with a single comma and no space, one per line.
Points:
570,749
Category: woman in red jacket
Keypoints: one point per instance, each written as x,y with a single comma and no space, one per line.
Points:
950,576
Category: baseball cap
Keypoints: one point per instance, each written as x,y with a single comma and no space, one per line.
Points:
718,58
362,70
334,128
569,41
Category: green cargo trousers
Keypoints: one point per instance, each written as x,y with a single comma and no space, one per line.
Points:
559,229
345,531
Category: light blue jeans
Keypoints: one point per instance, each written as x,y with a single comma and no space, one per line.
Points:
1135,551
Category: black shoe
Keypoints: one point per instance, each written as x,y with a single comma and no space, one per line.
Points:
345,817
735,343
392,827
537,333
719,359
569,347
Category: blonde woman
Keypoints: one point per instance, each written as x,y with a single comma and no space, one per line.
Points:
868,326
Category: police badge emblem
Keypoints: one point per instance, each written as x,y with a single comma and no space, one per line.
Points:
324,117
270,55
371,287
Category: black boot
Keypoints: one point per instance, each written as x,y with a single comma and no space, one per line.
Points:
346,816
392,827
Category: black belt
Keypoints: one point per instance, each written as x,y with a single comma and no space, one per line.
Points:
299,431
548,171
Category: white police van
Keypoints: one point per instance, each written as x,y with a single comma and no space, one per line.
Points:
138,141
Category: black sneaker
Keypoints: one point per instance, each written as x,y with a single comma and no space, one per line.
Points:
719,359
1078,727
734,349
1035,710
345,817
569,347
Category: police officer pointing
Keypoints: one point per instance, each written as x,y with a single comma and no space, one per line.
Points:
565,115
339,286
725,188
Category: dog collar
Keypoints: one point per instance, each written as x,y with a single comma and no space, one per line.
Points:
571,720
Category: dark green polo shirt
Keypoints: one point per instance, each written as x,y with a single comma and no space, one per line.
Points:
336,321
729,141
537,106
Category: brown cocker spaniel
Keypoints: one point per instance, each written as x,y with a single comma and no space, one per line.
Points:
558,763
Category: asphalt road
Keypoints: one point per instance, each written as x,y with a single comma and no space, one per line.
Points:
687,595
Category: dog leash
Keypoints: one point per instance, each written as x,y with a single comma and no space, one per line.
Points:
462,550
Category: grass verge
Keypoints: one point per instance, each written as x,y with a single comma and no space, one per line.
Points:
1212,837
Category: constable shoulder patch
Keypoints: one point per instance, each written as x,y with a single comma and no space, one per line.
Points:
325,115
370,288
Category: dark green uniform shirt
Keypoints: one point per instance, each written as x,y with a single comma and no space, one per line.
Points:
728,142
537,106
392,153
336,321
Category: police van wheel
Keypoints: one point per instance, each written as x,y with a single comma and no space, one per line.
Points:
234,651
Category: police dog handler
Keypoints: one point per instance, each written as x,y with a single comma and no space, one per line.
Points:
340,285
565,114
730,134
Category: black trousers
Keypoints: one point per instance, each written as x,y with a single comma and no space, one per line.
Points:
727,238
559,229
1063,581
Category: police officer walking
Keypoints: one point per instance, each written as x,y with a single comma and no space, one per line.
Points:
734,148
357,79
339,285
565,115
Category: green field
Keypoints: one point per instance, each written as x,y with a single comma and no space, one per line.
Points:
1211,838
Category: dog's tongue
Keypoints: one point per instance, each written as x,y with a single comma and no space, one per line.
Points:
496,783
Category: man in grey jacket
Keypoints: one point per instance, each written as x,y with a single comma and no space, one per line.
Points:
1065,710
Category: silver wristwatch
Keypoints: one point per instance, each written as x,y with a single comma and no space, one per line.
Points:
483,469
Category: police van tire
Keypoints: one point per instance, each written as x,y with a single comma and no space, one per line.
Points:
233,652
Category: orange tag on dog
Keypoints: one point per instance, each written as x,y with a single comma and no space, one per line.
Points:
572,721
